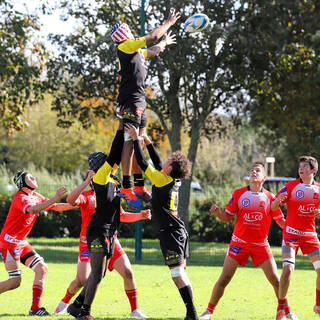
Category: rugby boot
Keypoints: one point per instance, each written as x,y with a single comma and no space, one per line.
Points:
39,312
61,308
131,198
138,314
281,315
73,310
206,315
292,316
316,310
142,193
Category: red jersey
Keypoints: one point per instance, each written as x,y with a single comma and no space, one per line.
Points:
19,222
302,200
253,210
87,206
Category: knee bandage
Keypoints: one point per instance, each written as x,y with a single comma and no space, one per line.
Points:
177,272
35,262
316,264
288,261
14,273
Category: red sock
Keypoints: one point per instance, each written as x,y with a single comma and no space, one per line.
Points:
281,304
287,308
133,298
317,297
37,291
67,297
211,307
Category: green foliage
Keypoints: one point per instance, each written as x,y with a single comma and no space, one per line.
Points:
56,149
21,62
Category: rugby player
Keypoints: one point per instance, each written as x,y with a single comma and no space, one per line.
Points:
303,200
14,247
133,71
86,202
174,239
252,207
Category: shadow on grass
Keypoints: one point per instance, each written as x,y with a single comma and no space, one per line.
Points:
201,254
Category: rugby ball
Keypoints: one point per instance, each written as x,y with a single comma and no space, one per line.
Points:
196,22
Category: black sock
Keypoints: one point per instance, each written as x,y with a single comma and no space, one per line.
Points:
187,297
126,182
85,310
138,180
78,302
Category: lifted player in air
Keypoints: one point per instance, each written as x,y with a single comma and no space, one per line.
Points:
133,71
174,239
252,207
14,248
303,200
119,261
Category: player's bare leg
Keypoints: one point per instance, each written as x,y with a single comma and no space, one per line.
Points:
123,266
315,259
40,268
14,270
182,282
83,272
288,258
229,268
269,268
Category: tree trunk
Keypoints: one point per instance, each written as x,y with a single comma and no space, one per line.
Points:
184,196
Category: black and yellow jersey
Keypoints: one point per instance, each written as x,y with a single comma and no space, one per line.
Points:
165,189
132,69
107,192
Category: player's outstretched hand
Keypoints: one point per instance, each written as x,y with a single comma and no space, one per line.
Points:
90,174
132,130
173,16
281,197
215,210
60,193
169,38
146,139
146,214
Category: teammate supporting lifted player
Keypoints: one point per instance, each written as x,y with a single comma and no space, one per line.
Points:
14,247
252,206
119,261
174,239
303,200
132,95
103,225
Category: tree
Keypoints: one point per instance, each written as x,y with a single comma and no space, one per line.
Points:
284,76
21,62
190,80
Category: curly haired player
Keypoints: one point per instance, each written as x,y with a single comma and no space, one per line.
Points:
174,239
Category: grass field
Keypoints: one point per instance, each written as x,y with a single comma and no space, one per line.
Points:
249,295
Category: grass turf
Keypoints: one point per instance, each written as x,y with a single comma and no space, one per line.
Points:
248,296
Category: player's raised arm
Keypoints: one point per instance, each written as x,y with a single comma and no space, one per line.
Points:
168,39
44,205
73,197
159,32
